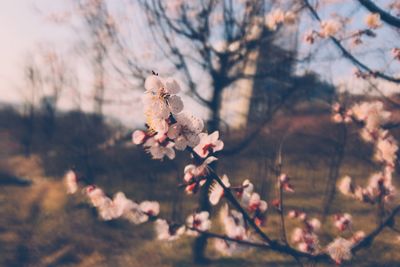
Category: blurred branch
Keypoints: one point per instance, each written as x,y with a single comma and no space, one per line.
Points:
347,54
367,241
385,16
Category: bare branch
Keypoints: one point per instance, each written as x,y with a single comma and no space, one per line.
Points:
347,54
385,16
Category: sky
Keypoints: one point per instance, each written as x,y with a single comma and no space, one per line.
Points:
24,28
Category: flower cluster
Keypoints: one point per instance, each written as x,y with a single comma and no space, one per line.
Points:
198,222
71,182
195,223
284,183
235,228
117,207
306,237
340,249
277,17
328,28
252,201
373,20
168,232
342,221
340,114
373,117
168,127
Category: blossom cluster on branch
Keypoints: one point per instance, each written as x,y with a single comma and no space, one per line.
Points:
242,216
372,117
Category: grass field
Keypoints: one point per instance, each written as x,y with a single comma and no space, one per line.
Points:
41,226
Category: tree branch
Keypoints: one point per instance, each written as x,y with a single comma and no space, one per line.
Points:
385,16
347,54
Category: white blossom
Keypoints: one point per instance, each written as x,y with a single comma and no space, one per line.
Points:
297,235
345,186
96,196
160,150
160,100
273,18
386,149
138,137
256,204
340,249
199,221
152,208
373,20
329,28
358,236
194,174
124,206
71,182
246,192
342,221
185,132
315,224
373,115
168,232
217,191
208,144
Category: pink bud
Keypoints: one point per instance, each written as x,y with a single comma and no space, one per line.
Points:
138,137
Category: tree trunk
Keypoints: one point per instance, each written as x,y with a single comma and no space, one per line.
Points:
334,172
200,244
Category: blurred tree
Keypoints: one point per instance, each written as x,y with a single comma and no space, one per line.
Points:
31,91
215,39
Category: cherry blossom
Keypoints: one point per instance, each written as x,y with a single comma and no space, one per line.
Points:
306,240
386,150
195,175
373,115
169,128
358,236
96,196
160,150
345,186
245,192
294,214
185,132
233,225
341,115
373,20
208,144
342,221
199,221
340,249
138,137
160,100
283,182
168,232
329,28
71,182
278,16
150,208
256,204
314,224
275,17
297,235
217,191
